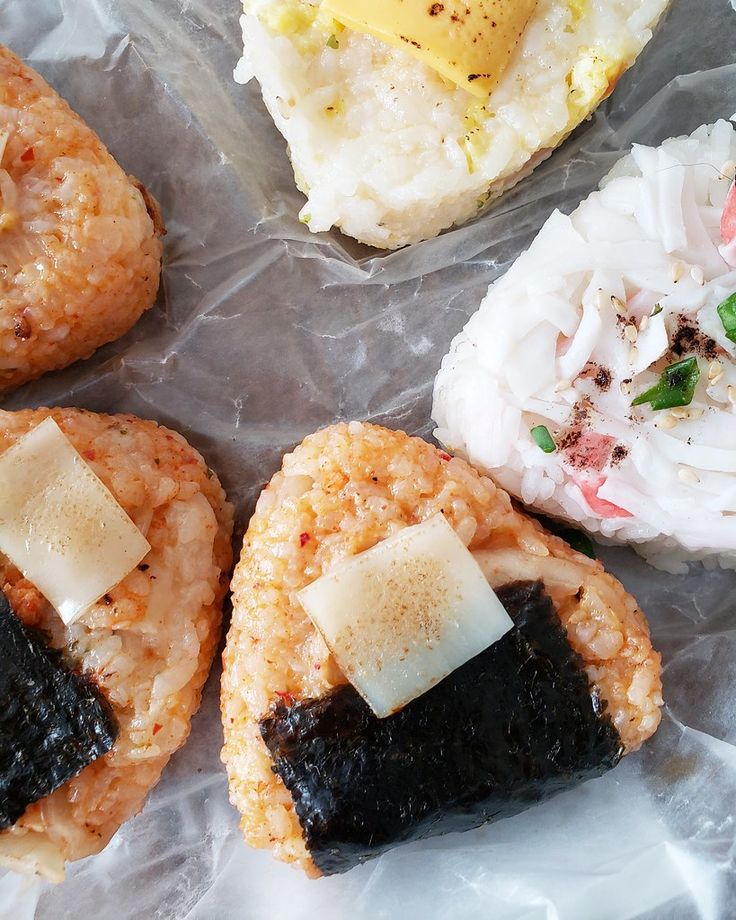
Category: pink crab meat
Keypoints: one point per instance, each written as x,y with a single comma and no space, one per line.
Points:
599,506
728,218
591,451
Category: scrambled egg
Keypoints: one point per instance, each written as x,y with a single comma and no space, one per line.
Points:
592,79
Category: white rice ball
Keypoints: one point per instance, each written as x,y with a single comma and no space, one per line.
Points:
589,319
388,151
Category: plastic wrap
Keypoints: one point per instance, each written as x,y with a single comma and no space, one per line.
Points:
264,333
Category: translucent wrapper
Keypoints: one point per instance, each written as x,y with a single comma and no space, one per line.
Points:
264,333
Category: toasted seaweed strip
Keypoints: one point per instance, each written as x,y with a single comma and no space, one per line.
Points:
53,722
515,725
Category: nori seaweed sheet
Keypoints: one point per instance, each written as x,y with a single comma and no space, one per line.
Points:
513,726
53,722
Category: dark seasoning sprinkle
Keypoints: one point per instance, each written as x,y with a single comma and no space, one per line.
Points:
619,454
688,339
580,419
601,376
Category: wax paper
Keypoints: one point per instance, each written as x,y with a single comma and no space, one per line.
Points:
263,333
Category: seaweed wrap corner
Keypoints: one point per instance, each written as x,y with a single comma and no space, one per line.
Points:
53,722
319,778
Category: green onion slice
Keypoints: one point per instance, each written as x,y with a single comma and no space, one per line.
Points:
657,309
543,439
675,387
727,314
332,42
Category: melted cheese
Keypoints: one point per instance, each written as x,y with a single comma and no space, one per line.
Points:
60,526
469,43
403,615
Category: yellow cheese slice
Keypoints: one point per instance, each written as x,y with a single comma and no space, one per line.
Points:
468,43
59,524
401,616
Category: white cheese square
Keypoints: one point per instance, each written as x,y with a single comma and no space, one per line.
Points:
403,615
60,525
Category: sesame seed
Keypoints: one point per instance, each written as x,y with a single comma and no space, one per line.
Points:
600,299
678,270
667,421
715,370
631,333
644,322
562,385
716,380
618,305
696,273
633,354
682,412
689,476
728,170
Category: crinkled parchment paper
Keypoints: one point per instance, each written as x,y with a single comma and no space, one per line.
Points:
264,333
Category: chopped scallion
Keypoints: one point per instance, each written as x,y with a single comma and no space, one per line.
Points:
657,309
332,42
675,387
543,439
727,314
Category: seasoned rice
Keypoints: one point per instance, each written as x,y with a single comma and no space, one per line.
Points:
339,493
80,253
148,643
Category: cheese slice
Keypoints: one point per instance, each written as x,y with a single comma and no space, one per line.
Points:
60,525
403,615
468,43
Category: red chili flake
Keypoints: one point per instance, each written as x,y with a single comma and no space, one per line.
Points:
443,455
285,697
22,328
156,728
28,156
303,538
88,454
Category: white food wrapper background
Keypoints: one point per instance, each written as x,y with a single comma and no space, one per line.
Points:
263,333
